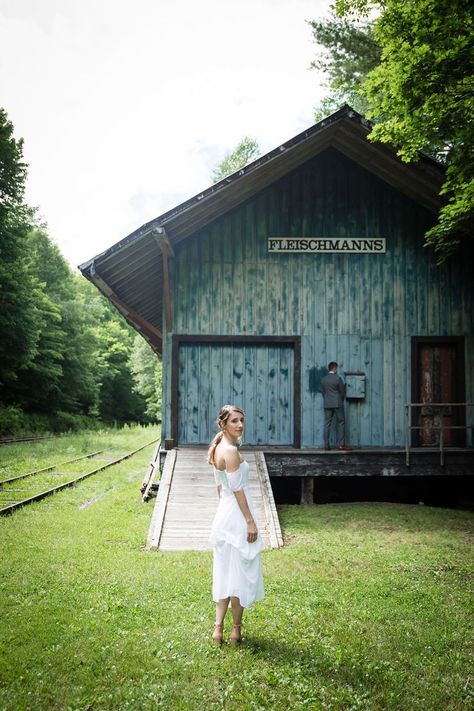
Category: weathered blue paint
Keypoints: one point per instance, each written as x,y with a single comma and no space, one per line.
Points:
211,375
315,375
359,310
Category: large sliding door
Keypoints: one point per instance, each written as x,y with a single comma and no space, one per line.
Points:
257,375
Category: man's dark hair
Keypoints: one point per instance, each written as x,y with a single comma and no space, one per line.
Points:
332,365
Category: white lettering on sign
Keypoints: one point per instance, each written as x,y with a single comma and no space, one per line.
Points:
363,245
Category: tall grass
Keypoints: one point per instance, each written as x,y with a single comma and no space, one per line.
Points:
23,457
366,607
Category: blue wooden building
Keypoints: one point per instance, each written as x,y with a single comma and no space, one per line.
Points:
312,253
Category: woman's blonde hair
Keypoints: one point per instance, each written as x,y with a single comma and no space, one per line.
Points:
224,414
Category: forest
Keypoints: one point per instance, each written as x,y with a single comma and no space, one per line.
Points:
68,360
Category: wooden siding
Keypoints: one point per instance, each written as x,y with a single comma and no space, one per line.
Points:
360,310
257,377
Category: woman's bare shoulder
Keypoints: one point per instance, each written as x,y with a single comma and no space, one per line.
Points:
227,456
232,459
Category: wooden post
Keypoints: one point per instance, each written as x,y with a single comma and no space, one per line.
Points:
307,491
166,286
166,249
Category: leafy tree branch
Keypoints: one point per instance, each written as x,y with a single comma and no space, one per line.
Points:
244,153
419,94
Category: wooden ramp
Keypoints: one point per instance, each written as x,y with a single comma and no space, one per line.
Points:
187,501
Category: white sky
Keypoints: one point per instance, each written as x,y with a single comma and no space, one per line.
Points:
126,106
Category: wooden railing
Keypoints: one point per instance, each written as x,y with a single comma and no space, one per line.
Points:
410,427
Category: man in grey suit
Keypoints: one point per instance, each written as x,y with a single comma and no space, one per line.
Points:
334,393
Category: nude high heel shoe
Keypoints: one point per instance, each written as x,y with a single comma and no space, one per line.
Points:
235,637
218,633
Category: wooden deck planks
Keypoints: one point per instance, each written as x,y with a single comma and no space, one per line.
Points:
187,502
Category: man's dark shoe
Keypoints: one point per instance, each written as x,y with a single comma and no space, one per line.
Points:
345,448
327,448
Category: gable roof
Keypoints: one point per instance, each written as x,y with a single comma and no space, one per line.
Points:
131,273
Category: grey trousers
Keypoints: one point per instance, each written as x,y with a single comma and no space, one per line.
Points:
329,414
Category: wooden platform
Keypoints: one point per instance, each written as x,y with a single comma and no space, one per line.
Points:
187,501
370,462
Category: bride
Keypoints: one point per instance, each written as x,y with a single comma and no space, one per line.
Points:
237,571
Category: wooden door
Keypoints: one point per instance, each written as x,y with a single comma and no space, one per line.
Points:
439,380
257,377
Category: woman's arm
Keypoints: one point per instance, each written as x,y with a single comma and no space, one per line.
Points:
244,507
232,462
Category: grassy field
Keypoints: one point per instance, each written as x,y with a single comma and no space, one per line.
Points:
23,457
367,606
63,451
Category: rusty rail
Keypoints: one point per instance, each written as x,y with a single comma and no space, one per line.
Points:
22,440
72,482
409,427
50,467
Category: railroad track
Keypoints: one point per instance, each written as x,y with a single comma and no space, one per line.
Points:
8,504
50,468
22,440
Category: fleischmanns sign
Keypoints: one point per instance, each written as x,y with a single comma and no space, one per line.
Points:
365,245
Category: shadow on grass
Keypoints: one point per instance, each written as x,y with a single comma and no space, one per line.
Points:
350,678
275,650
281,652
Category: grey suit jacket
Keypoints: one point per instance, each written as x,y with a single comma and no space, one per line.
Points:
333,390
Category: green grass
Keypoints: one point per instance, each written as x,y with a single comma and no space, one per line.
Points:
366,607
24,457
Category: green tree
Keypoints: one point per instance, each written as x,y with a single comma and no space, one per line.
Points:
348,53
62,346
38,385
421,96
48,265
82,348
245,152
81,316
105,343
18,317
59,377
117,399
146,368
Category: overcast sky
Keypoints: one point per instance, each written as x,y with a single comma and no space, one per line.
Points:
125,106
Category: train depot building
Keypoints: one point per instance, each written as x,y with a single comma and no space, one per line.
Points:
312,253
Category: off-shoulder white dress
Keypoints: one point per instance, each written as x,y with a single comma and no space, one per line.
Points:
237,570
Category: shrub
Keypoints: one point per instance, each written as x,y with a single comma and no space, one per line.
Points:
12,420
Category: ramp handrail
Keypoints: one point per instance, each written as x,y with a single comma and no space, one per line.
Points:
409,427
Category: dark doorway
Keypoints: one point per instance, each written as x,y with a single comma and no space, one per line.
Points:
437,378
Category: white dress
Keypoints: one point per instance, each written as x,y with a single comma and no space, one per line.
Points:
237,570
